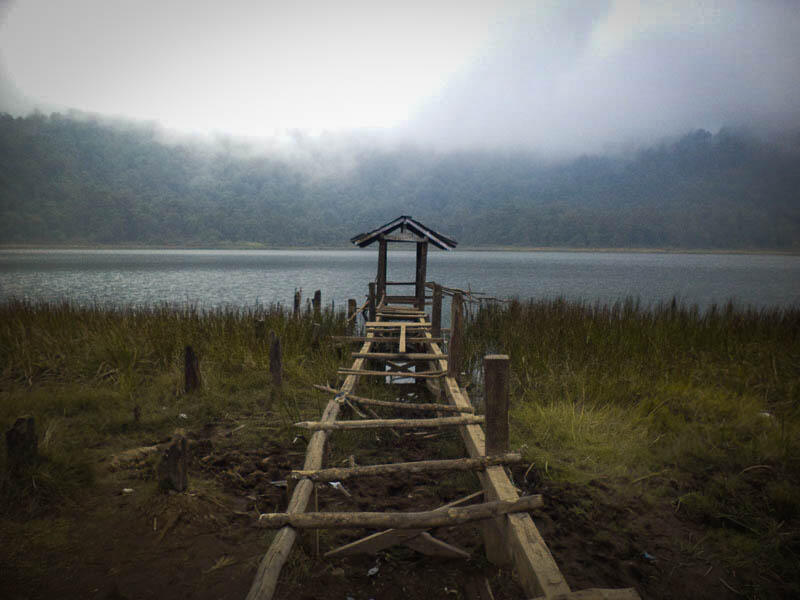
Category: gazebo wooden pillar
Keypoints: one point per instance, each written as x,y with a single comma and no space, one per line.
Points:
404,230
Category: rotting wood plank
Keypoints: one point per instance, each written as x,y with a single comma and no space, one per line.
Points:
402,520
383,423
400,405
423,466
415,374
411,356
269,569
539,574
390,537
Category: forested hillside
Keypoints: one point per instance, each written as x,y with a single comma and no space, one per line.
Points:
76,180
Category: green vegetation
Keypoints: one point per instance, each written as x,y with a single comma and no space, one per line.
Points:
700,410
82,371
76,180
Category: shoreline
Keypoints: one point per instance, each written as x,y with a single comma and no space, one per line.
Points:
541,249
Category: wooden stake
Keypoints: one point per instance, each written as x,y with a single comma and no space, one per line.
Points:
425,466
381,278
399,423
495,368
317,303
409,520
297,300
456,347
436,311
422,265
372,302
191,370
275,360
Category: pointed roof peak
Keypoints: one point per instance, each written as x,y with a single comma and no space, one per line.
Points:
411,230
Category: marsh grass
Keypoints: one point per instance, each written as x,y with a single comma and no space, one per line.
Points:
701,409
81,371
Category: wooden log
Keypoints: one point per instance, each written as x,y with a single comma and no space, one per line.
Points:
21,445
421,270
275,360
495,368
298,295
455,349
409,520
398,423
191,371
317,303
596,594
269,569
426,544
414,374
381,277
173,467
400,405
436,311
538,572
410,356
425,466
388,339
390,537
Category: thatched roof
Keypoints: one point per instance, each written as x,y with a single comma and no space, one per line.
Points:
409,231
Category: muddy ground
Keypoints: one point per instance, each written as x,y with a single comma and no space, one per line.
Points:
204,543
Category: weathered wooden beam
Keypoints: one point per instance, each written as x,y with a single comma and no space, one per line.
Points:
426,544
269,569
390,537
422,266
388,339
400,405
416,375
407,355
398,423
397,325
538,572
409,520
596,594
425,466
401,346
372,301
381,277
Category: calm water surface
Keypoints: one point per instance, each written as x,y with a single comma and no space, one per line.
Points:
214,278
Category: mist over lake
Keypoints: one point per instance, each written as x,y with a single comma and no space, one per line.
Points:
217,278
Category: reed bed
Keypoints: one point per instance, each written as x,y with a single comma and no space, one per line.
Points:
697,408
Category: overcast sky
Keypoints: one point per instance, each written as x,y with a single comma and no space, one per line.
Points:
558,77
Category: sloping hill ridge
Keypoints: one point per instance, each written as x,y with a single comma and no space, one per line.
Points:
67,180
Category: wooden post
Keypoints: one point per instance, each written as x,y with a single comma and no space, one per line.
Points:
372,302
351,312
495,369
21,445
317,303
191,370
381,279
173,466
422,268
316,332
275,360
298,295
436,311
455,352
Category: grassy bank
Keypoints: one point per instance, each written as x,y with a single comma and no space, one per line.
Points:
83,373
701,411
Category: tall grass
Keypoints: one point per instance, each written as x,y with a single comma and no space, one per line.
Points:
701,409
80,371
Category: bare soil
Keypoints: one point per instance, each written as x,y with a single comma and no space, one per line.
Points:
204,543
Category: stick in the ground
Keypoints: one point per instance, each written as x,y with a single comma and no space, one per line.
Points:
410,520
426,466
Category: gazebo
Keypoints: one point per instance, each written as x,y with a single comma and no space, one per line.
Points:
403,229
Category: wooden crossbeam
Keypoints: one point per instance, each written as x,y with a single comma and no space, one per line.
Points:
425,543
397,423
424,466
400,405
388,338
410,356
408,520
416,374
396,324
390,537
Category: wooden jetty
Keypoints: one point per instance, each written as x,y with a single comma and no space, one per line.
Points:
401,336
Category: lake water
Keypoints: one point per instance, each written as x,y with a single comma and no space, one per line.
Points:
214,278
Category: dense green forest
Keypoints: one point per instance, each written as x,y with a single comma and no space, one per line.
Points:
65,179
